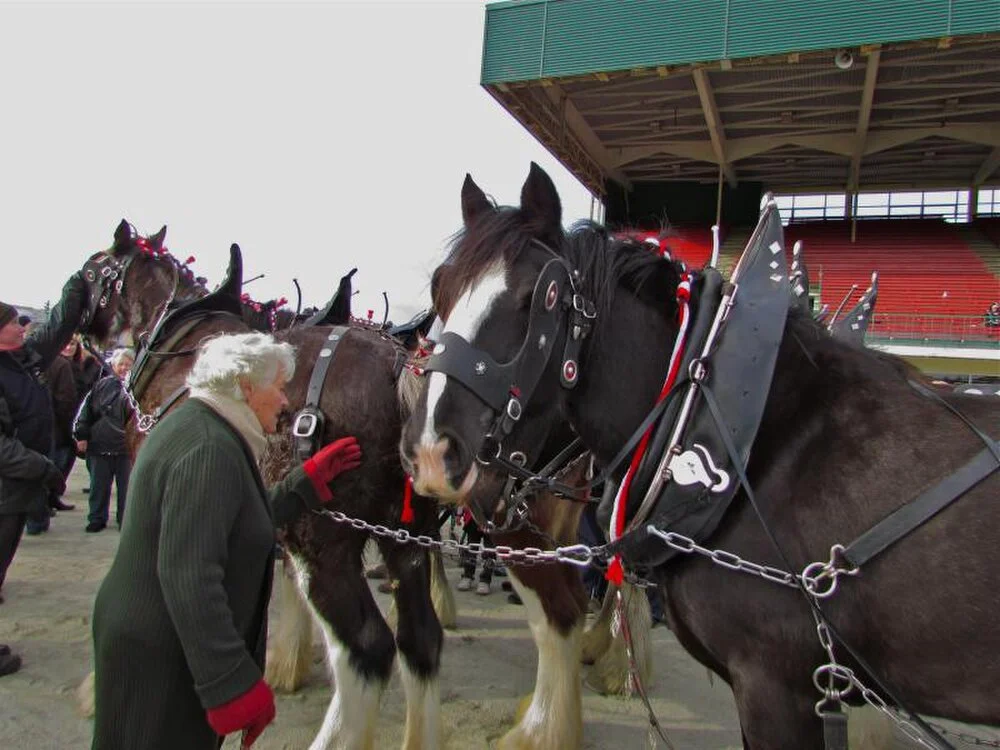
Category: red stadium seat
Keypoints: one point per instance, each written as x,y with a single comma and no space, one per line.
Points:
928,276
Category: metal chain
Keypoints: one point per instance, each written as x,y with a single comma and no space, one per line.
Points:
579,555
584,556
819,578
875,701
969,739
143,422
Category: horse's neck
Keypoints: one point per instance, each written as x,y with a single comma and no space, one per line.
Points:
623,366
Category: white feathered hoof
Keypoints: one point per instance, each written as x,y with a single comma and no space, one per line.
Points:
85,697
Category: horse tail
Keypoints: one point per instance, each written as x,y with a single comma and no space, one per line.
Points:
85,697
290,650
611,674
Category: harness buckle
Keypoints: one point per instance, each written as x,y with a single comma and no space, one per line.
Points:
697,370
305,424
584,306
514,409
484,457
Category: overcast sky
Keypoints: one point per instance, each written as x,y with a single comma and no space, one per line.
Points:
319,136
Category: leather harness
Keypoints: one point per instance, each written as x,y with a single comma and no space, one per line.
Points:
309,422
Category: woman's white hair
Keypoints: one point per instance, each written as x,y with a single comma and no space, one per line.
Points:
223,361
119,354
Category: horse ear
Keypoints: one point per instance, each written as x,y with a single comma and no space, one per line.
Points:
474,201
539,199
123,236
157,239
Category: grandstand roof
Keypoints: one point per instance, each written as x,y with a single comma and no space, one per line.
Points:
670,90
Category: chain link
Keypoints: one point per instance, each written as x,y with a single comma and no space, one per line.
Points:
969,739
728,560
143,422
579,555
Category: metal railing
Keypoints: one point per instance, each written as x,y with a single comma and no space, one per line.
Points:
943,329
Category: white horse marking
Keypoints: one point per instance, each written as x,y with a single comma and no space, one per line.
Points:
465,320
554,718
349,723
423,710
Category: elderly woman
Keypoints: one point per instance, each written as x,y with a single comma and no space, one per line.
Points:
99,431
180,622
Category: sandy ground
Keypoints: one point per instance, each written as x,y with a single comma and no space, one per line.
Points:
488,664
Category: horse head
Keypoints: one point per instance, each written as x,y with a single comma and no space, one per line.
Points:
516,295
131,283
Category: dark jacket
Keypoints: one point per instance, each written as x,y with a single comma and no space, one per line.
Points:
62,389
86,372
102,418
180,622
25,407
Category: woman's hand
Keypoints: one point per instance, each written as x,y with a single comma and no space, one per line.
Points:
251,712
330,461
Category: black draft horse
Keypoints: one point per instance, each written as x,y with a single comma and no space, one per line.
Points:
362,398
844,441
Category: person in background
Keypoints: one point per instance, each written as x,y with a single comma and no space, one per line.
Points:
65,401
180,621
27,474
99,430
87,370
473,534
992,317
58,380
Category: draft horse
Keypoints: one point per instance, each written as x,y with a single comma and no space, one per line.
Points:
843,441
327,556
148,298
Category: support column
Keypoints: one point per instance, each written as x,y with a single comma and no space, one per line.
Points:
718,199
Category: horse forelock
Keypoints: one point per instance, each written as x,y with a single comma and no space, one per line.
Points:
494,240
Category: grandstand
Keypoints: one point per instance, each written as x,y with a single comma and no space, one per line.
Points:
931,284
873,122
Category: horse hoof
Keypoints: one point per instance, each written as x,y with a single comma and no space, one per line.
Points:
85,697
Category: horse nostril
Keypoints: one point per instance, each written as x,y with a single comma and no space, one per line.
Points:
457,459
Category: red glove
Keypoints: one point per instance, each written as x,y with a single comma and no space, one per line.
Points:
330,461
250,712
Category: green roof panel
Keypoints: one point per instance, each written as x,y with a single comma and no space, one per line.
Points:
536,39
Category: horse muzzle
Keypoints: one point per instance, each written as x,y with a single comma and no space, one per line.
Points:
443,470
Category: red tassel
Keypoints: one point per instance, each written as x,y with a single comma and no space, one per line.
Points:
407,515
189,261
616,573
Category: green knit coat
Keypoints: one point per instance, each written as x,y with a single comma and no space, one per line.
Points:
180,622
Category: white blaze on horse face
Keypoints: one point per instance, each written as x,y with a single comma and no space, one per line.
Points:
465,320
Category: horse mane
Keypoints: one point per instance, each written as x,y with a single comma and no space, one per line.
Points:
409,387
602,260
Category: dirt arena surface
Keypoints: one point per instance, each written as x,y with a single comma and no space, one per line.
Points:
488,665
